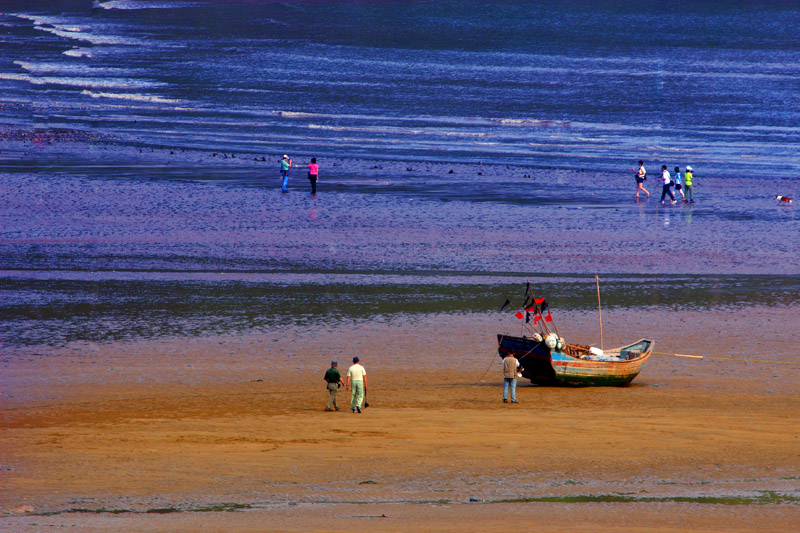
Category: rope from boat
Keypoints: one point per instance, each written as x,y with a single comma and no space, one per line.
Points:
526,354
521,357
487,370
741,360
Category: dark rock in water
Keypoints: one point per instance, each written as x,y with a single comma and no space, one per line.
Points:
451,171
480,173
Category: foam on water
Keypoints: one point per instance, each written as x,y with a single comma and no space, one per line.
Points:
71,68
105,83
133,97
58,27
145,4
78,52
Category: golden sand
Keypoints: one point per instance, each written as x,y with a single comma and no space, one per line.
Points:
231,447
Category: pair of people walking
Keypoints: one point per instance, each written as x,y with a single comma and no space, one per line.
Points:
356,381
313,173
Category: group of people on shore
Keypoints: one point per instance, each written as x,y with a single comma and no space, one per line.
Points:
356,382
668,182
313,173
682,186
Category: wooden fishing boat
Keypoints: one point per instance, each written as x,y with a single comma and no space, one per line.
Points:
573,364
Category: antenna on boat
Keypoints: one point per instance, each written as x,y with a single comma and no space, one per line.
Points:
599,310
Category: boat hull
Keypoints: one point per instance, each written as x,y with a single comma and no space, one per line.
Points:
546,367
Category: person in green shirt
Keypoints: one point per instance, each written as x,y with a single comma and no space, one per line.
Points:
334,381
687,184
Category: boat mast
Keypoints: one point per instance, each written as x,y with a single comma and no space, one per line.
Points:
543,329
599,310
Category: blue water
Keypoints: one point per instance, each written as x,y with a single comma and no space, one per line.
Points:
564,84
458,141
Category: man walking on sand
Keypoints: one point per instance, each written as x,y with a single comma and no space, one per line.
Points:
510,370
286,164
357,378
334,380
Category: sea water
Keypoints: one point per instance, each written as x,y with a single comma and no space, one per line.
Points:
595,85
464,148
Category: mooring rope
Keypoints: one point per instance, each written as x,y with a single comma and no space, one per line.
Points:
739,359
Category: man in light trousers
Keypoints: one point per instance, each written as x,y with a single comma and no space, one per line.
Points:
357,378
510,365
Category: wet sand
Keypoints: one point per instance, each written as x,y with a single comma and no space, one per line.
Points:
167,325
168,434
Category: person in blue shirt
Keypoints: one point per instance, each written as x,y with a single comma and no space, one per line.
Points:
678,184
286,164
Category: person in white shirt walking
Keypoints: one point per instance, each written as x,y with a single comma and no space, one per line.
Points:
357,379
667,185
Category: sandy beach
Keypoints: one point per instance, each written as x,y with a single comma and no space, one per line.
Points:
162,362
167,313
203,434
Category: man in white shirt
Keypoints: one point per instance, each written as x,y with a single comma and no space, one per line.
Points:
667,188
357,378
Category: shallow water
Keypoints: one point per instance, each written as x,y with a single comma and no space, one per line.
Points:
464,147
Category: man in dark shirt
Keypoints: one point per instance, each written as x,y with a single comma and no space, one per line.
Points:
334,380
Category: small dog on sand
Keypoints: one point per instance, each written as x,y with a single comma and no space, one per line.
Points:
784,200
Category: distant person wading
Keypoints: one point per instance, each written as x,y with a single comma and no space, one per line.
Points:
678,185
641,175
313,174
666,188
687,183
286,164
